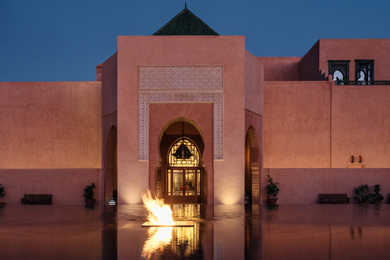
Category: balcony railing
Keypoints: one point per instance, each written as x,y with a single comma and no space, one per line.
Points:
354,82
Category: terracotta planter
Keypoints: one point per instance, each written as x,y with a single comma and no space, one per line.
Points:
377,202
272,201
90,202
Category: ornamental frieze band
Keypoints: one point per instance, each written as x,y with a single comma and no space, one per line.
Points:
193,77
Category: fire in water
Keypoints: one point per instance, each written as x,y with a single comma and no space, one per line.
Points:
160,225
159,213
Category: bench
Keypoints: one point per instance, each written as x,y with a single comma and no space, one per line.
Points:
334,199
37,199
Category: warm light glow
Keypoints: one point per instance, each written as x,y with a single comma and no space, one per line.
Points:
158,237
159,213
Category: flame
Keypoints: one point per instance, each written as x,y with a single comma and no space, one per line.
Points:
159,213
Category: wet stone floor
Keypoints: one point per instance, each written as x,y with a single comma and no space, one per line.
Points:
220,232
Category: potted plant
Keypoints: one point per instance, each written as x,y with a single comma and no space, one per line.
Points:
272,191
88,194
2,194
362,194
376,197
345,79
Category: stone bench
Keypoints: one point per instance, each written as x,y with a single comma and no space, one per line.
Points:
334,199
37,199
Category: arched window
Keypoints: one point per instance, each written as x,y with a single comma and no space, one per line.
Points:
183,153
339,69
364,71
338,76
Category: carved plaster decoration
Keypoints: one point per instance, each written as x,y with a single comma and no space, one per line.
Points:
145,99
194,77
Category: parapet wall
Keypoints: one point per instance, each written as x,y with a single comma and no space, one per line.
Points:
50,125
280,68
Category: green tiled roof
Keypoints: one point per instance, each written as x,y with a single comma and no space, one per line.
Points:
185,23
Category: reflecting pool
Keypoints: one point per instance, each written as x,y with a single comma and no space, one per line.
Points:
220,232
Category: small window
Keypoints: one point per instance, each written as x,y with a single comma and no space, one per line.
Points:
364,71
339,69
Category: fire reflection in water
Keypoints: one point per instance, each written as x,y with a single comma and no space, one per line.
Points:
183,241
158,238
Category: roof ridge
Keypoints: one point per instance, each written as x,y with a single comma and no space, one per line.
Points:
204,30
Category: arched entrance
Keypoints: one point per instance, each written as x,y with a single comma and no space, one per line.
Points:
252,171
111,172
182,178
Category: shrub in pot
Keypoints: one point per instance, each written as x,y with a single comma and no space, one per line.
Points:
2,194
88,194
272,191
377,197
362,194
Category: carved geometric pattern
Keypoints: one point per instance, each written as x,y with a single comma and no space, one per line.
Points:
145,99
156,77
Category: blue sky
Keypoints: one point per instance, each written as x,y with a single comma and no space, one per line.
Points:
50,40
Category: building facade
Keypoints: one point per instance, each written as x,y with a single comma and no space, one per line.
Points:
194,117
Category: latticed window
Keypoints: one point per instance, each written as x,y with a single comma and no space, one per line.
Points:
183,153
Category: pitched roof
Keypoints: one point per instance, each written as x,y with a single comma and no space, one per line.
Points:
185,23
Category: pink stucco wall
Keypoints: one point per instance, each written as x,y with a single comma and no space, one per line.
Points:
66,185
109,85
254,84
226,51
302,186
360,125
280,68
108,111
297,124
352,49
320,125
309,68
50,125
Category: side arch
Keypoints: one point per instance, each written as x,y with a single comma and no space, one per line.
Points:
252,166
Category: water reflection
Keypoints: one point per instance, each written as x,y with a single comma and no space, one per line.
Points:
220,232
172,242
158,238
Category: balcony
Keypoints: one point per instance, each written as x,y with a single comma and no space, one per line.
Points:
354,82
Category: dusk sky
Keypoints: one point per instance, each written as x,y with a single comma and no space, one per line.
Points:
65,40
